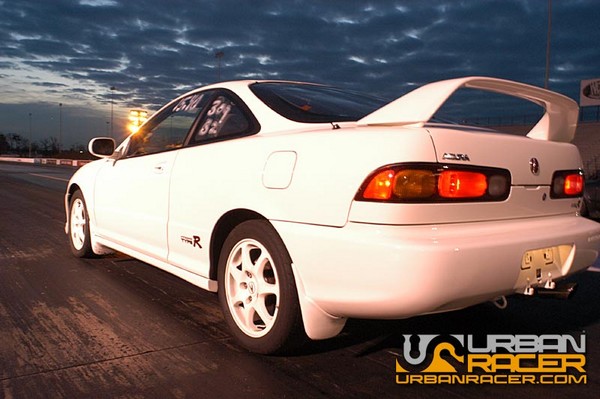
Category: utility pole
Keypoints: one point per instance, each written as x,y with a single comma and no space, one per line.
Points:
549,34
219,55
59,127
112,90
30,135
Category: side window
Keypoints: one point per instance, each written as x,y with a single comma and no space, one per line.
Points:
168,130
224,118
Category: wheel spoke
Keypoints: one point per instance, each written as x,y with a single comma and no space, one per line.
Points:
76,240
260,264
265,288
261,309
247,264
236,275
243,314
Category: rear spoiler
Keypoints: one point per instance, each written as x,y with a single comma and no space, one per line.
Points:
417,107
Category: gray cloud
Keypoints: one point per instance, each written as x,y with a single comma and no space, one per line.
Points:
152,51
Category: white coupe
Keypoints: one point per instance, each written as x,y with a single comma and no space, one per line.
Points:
303,205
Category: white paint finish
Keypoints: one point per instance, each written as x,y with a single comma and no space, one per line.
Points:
374,271
132,202
398,260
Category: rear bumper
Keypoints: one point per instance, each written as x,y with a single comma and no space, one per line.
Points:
382,271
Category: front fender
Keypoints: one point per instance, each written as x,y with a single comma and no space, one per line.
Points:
83,180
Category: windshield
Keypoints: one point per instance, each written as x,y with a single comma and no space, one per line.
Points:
310,103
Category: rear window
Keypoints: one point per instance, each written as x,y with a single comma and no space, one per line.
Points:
310,103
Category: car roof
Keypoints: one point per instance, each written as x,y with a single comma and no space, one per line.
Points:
269,120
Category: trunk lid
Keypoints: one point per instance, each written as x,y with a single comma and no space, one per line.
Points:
531,163
511,152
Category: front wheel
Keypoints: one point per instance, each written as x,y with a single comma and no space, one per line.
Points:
257,290
79,227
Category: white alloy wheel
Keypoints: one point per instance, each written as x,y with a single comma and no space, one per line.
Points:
78,223
251,288
257,289
79,227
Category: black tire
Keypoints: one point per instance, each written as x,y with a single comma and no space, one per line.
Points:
79,227
247,289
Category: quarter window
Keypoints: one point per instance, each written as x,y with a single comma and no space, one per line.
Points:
223,119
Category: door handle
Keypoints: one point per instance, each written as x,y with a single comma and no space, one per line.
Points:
160,168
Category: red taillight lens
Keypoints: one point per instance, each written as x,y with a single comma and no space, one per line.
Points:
462,184
574,184
566,184
435,183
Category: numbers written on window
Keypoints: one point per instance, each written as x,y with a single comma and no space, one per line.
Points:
213,115
223,118
190,103
216,116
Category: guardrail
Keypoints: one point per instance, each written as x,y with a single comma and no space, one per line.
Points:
47,161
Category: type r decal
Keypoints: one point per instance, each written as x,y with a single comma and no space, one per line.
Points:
193,241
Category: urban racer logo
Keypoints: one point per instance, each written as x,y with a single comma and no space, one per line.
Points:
492,359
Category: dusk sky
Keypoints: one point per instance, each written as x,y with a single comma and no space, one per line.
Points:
73,51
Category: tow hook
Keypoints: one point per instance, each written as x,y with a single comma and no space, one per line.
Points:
500,302
550,289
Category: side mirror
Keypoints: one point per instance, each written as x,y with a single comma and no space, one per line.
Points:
102,147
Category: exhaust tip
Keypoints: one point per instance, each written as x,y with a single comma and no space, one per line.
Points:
563,291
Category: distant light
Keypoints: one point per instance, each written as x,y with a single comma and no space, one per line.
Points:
137,117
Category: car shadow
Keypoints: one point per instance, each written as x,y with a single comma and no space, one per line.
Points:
523,315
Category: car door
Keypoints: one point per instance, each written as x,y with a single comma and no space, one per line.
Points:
197,194
132,193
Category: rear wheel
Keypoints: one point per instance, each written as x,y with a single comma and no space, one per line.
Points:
79,227
257,290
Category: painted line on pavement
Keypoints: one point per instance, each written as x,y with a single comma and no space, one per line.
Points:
49,177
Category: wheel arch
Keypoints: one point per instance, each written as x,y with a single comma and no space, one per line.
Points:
223,227
71,190
97,249
69,194
317,323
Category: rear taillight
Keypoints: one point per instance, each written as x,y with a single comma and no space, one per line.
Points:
462,184
567,184
380,185
435,183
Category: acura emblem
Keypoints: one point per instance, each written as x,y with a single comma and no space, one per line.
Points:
450,156
534,166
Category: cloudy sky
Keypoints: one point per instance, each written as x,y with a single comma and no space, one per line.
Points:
73,51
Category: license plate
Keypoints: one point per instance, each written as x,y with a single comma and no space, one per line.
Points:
540,257
538,264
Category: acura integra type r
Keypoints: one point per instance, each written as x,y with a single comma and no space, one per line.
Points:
303,205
